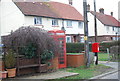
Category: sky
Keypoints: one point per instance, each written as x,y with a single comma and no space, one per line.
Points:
108,5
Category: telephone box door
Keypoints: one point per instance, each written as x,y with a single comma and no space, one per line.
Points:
62,55
59,36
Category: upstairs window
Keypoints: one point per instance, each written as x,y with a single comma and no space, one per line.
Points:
107,28
69,23
70,2
38,20
54,22
80,25
113,28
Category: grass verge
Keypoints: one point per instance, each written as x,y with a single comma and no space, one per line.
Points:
86,73
103,57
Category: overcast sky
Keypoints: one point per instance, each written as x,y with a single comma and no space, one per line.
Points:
108,5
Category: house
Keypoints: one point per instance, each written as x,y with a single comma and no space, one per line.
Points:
108,28
103,34
47,15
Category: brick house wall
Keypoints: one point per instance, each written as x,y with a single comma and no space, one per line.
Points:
104,38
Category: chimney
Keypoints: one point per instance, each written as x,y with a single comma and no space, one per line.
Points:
111,13
101,10
88,7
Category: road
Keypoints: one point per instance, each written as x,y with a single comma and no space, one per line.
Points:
111,76
115,76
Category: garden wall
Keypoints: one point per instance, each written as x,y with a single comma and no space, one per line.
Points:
75,60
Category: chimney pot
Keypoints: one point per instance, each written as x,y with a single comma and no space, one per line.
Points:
88,7
101,10
111,13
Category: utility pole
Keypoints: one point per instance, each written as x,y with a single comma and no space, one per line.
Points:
86,45
95,26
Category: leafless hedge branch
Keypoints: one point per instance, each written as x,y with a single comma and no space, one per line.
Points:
28,34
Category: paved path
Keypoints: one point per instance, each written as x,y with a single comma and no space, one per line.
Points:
54,75
111,64
110,75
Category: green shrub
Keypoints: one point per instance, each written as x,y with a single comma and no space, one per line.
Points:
47,55
10,59
74,47
79,47
105,45
29,51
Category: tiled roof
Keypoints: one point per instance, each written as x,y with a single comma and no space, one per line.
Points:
106,19
49,9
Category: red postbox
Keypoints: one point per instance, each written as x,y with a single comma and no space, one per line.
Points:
95,47
59,35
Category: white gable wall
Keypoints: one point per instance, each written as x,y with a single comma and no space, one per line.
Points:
101,28
11,17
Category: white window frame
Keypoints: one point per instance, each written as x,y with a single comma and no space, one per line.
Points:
37,20
69,23
113,28
68,41
54,22
107,28
80,25
82,39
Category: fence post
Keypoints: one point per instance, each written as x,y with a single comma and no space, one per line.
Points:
108,54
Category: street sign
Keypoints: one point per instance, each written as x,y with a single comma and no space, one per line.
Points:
85,38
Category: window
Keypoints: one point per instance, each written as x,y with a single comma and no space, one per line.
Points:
55,22
68,39
70,2
69,23
80,25
107,28
38,20
113,28
82,39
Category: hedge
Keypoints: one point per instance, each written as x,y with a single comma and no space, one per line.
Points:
105,45
79,47
75,47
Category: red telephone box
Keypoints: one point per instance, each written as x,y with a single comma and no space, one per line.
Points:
59,35
95,47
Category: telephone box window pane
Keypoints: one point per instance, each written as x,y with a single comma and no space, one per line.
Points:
60,38
60,45
51,33
61,42
62,62
61,59
61,55
60,34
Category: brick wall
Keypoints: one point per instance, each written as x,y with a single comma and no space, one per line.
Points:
101,38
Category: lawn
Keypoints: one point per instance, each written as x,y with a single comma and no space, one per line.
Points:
103,57
86,73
